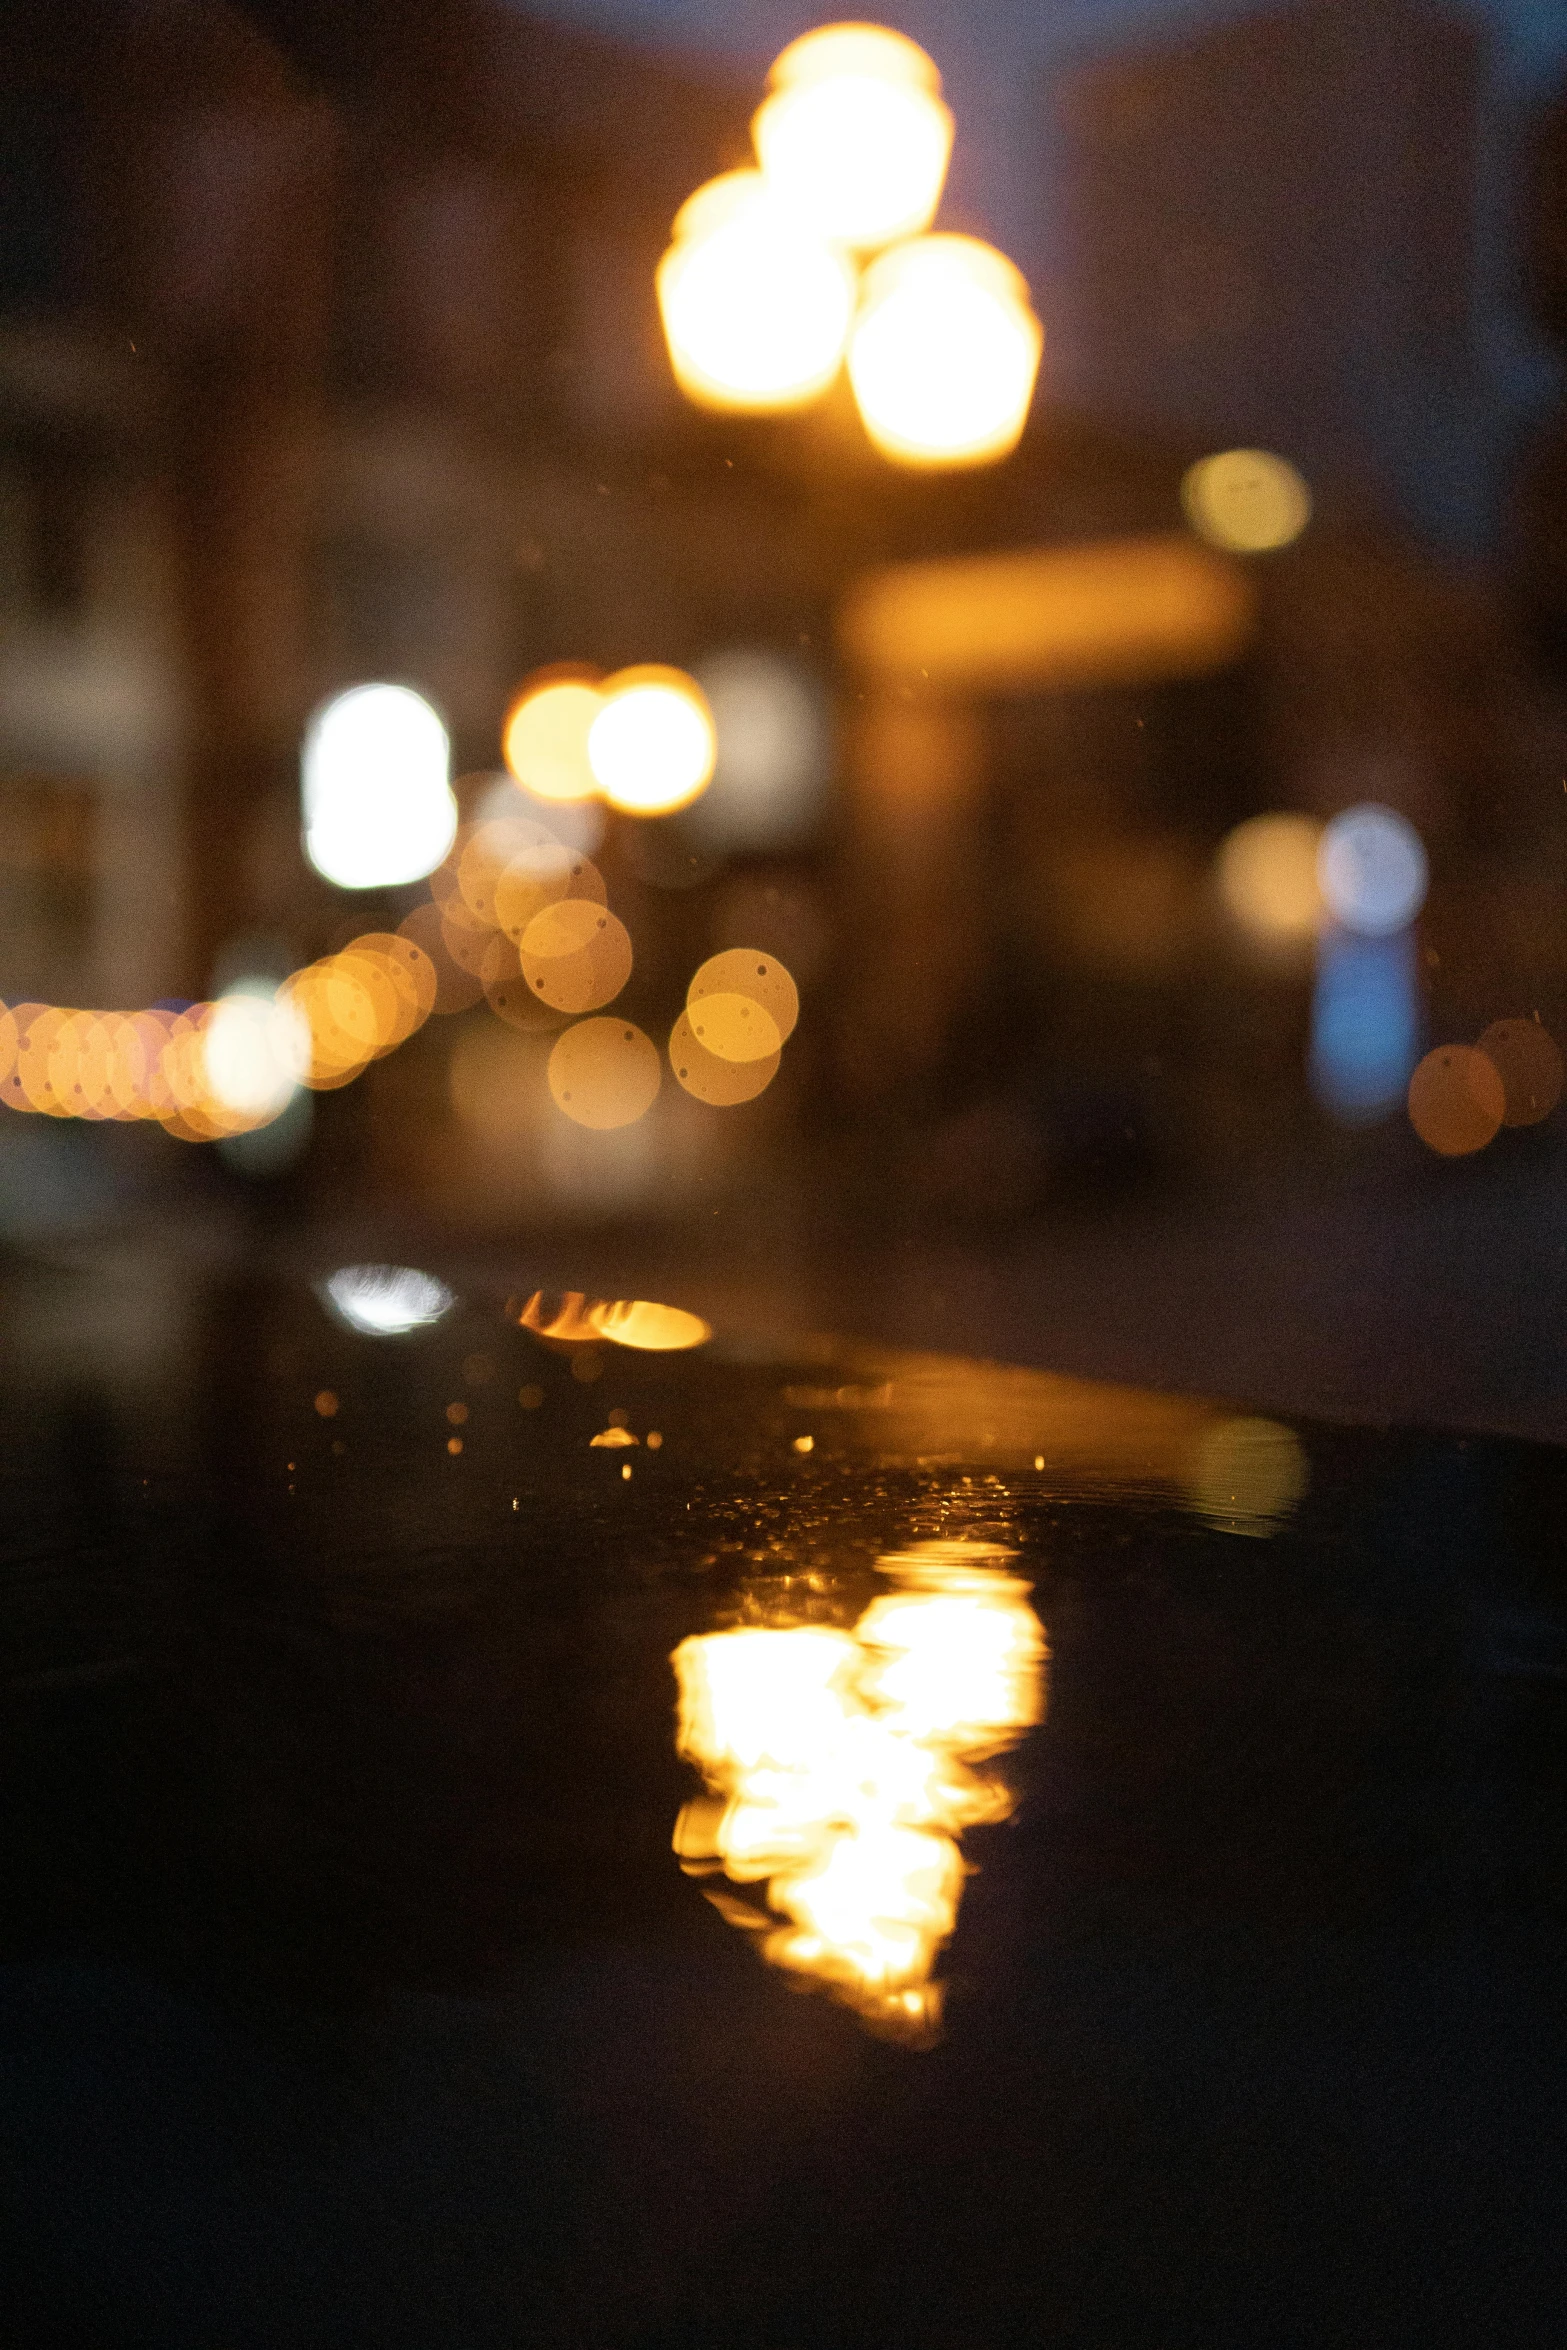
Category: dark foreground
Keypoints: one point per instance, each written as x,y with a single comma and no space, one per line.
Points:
352,1994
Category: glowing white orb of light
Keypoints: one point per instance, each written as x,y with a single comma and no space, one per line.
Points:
375,788
774,751
755,306
945,352
1246,500
1372,870
854,137
653,746
256,1051
1266,874
387,1301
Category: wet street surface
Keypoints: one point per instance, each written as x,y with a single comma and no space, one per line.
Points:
354,1992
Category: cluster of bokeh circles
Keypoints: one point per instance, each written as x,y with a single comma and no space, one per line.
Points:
206,1071
522,920
1462,1095
516,917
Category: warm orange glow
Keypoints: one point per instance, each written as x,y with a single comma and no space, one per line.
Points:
708,1077
653,745
569,1325
1525,1057
545,743
508,994
1110,612
650,1328
844,1766
945,352
854,137
604,1073
485,851
541,876
734,1028
515,915
1246,501
1266,874
465,936
747,971
576,956
634,1322
1457,1100
755,304
741,1007
456,988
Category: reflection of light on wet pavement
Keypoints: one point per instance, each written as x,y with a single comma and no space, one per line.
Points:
1247,1476
386,1301
637,1322
842,1768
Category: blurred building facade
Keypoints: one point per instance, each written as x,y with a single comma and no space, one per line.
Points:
331,353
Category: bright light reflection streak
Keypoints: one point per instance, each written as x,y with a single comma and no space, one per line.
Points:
387,1301
843,1767
637,1322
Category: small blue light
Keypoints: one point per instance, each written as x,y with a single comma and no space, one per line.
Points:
1365,1023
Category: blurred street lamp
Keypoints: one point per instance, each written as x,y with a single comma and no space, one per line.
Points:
855,138
945,352
1372,870
756,304
546,735
1246,501
375,789
653,746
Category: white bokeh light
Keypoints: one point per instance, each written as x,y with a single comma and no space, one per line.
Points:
256,1051
1372,869
387,1301
375,788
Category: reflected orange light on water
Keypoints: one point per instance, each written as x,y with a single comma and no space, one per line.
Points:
637,1322
1247,1476
843,1767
